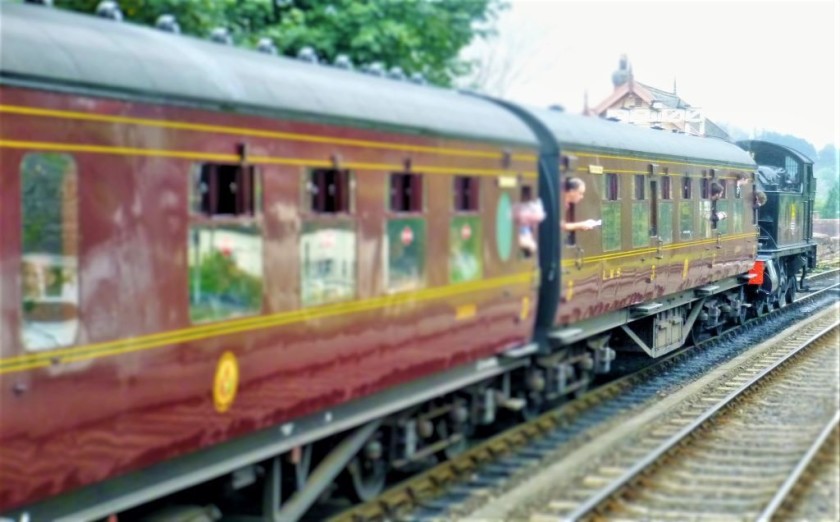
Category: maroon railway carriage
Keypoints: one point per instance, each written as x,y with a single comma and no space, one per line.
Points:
658,269
211,257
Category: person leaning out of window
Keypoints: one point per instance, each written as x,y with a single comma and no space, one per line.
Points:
573,191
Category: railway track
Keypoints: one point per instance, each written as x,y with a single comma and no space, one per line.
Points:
458,487
734,453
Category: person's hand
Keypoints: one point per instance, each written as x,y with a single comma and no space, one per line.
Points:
589,224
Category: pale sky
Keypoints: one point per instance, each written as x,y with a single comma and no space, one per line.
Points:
758,65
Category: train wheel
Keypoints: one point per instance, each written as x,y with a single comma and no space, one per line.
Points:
446,430
741,317
781,300
366,478
761,308
790,295
694,337
366,474
533,408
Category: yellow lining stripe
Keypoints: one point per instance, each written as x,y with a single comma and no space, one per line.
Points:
244,131
122,346
670,175
203,156
648,160
653,250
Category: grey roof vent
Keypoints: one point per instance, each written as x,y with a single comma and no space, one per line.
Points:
307,54
221,35
109,9
374,69
396,73
266,45
342,61
418,78
168,23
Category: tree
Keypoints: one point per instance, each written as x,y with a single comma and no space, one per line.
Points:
422,36
830,208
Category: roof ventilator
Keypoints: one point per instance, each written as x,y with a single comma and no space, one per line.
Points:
168,23
342,61
109,9
266,46
220,35
374,69
418,78
308,55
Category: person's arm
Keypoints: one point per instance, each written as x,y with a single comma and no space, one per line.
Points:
589,224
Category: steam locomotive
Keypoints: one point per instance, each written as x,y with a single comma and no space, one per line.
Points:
223,270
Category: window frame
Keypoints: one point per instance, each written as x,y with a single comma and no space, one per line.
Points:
317,203
413,200
466,194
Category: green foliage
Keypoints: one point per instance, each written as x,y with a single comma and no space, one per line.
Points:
417,35
220,278
830,207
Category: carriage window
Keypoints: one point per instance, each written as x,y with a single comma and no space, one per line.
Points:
49,253
611,214
686,211
406,192
327,253
225,245
686,188
666,187
639,184
330,191
611,188
465,194
705,184
223,190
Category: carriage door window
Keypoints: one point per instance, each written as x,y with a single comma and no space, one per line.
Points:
705,207
328,240
611,214
225,246
49,253
641,213
465,245
405,234
654,208
686,209
666,210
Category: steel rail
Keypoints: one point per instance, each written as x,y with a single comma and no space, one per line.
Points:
607,491
780,496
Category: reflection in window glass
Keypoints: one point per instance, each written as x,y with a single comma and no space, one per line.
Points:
737,217
686,220
328,262
641,224
49,260
722,205
225,270
666,220
405,243
705,211
465,263
225,243
611,225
